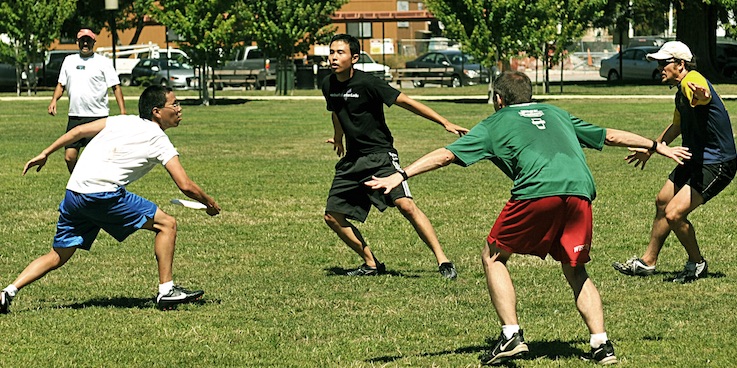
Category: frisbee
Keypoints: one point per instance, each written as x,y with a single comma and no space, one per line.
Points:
189,204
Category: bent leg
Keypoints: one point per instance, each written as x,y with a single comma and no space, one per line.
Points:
499,283
422,226
661,229
350,235
70,157
588,300
165,227
56,258
684,202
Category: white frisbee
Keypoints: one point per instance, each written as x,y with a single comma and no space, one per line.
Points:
189,204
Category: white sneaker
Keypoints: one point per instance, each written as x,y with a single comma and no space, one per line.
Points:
177,295
634,266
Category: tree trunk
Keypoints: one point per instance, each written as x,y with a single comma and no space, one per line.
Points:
696,27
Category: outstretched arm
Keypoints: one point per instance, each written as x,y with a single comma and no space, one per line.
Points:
434,160
640,156
623,138
190,188
81,131
421,109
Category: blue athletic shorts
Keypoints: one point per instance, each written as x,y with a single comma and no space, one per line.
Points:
81,216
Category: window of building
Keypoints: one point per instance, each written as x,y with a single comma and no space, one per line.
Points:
359,29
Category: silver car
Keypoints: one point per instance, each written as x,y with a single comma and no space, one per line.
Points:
166,72
634,65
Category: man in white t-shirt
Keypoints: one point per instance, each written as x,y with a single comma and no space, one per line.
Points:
86,76
121,150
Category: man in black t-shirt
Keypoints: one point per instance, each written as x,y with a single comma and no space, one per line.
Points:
356,101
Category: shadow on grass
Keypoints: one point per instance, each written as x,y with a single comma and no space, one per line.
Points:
124,302
552,350
340,271
213,101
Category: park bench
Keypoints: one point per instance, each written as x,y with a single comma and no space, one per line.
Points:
421,76
248,78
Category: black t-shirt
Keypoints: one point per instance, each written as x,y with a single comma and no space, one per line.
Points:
358,105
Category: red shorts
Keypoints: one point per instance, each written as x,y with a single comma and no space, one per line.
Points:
560,226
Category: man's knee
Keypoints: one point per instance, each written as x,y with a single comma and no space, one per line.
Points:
407,207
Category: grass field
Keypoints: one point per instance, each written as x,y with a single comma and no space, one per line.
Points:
271,268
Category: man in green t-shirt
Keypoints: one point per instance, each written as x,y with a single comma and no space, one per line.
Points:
538,146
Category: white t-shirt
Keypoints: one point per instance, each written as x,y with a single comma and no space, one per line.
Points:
87,81
124,151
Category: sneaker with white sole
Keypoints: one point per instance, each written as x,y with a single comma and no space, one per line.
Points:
692,271
603,355
5,300
448,270
365,270
634,266
177,295
505,349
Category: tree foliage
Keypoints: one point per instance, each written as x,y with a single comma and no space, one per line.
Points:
283,28
205,28
31,26
93,15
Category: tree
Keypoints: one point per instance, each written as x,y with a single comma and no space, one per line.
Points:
205,26
283,28
32,26
500,29
92,14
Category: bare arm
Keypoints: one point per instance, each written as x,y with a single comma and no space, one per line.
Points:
58,92
623,138
434,160
640,156
118,92
190,188
337,140
421,109
81,131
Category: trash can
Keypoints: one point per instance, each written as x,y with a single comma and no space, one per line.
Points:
305,77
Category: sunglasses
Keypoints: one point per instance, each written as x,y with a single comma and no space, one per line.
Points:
664,63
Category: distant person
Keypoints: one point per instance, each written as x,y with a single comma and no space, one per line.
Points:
356,101
122,149
703,123
86,76
538,146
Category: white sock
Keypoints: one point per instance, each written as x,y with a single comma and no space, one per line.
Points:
11,290
509,330
165,288
598,339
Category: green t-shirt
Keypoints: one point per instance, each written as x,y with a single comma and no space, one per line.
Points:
536,145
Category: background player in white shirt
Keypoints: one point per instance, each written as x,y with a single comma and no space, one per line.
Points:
86,76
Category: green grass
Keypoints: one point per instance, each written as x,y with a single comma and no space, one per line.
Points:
268,263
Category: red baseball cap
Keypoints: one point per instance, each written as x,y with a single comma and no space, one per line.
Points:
86,32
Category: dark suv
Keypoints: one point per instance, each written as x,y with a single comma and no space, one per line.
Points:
48,74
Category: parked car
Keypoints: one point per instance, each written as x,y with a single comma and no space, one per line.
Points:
466,71
368,65
166,72
48,73
634,65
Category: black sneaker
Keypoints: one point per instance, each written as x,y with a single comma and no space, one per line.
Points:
448,270
692,271
603,355
177,295
505,349
365,270
5,300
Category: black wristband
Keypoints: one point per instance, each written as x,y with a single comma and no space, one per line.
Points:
403,173
654,147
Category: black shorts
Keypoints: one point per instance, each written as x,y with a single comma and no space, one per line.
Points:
707,179
351,197
79,120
